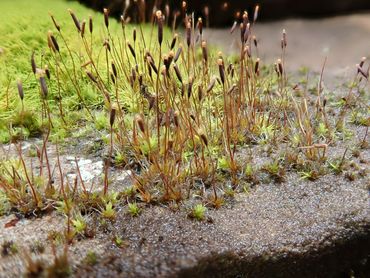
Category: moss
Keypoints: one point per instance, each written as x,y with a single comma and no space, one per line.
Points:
29,121
91,258
8,248
23,33
4,203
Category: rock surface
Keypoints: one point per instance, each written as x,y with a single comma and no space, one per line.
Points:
296,229
299,229
342,40
270,9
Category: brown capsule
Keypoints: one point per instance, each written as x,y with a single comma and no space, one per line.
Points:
91,76
256,66
107,45
152,65
173,43
204,51
182,89
170,145
178,73
47,72
166,62
106,17
53,42
171,55
20,89
211,85
255,41
57,26
229,67
140,122
363,73
204,138
149,69
247,51
188,33
112,116
44,87
242,31
363,59
280,67
232,72
160,26
221,70
200,25
113,78
90,24
83,27
151,101
200,93
133,73
131,49
176,118
147,54
33,63
178,53
75,20
114,70
246,33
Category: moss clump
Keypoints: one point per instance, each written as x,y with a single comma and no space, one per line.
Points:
22,34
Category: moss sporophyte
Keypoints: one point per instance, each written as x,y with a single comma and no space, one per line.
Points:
188,123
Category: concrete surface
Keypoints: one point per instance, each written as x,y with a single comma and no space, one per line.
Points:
343,40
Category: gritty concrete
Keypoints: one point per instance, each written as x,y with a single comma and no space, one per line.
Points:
342,39
298,229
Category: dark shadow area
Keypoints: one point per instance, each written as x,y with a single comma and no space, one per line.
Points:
345,258
222,13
